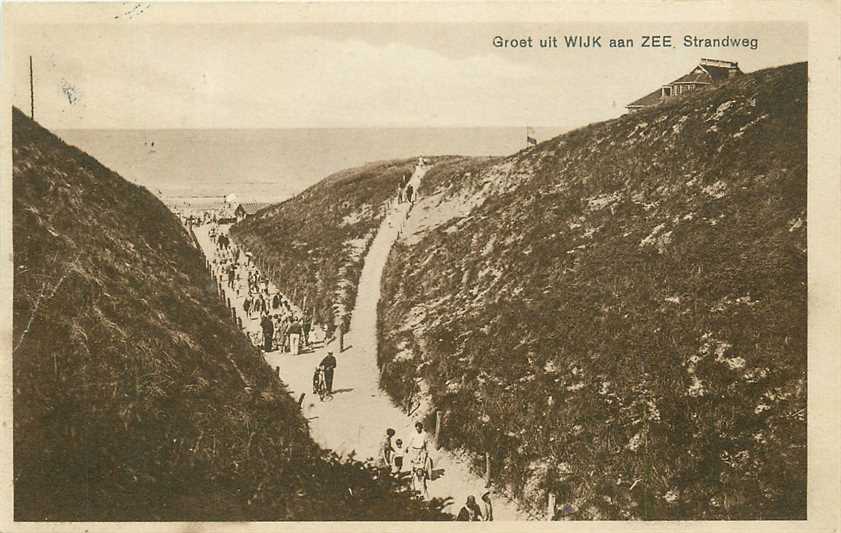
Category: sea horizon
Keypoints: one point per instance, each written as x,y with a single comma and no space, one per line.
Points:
272,165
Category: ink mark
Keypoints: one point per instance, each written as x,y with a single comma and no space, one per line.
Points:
136,10
71,92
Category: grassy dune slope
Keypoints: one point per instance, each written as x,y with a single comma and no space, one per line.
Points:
619,314
135,397
313,245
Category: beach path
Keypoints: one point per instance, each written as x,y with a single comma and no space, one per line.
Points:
355,420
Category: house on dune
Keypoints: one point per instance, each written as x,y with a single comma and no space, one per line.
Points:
246,209
707,74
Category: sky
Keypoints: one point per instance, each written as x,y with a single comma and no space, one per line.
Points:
119,70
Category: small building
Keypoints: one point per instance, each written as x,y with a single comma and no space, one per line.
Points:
245,210
226,215
708,73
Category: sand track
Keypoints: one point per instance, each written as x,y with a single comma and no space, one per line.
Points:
355,420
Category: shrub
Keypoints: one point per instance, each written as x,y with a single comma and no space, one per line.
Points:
135,397
639,326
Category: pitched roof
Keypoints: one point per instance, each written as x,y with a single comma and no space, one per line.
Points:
694,77
719,73
647,100
252,207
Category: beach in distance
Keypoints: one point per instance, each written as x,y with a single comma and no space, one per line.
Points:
271,165
287,262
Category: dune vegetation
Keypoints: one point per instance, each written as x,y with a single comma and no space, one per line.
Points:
617,316
312,246
135,395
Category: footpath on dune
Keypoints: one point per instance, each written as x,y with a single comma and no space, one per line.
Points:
355,420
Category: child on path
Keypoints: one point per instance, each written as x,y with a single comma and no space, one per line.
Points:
397,456
387,449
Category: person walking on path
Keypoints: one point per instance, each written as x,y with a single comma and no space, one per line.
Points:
268,332
294,333
487,506
419,447
329,366
231,276
402,193
277,324
281,334
306,327
410,197
470,511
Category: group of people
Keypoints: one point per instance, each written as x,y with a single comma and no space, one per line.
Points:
472,512
222,241
190,218
288,332
398,457
406,192
259,302
282,326
394,455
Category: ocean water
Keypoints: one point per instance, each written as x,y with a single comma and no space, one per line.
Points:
271,165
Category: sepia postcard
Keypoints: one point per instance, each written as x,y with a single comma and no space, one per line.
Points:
311,266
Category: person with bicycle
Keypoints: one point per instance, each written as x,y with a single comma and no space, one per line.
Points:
419,453
322,379
329,366
419,445
319,383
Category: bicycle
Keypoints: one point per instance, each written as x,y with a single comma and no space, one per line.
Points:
421,474
320,385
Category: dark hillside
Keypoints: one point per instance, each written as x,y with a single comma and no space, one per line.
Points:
313,245
618,315
135,397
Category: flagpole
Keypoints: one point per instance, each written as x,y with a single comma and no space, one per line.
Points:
31,92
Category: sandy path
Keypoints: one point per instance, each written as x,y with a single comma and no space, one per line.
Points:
355,420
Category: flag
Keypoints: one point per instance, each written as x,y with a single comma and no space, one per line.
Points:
531,137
